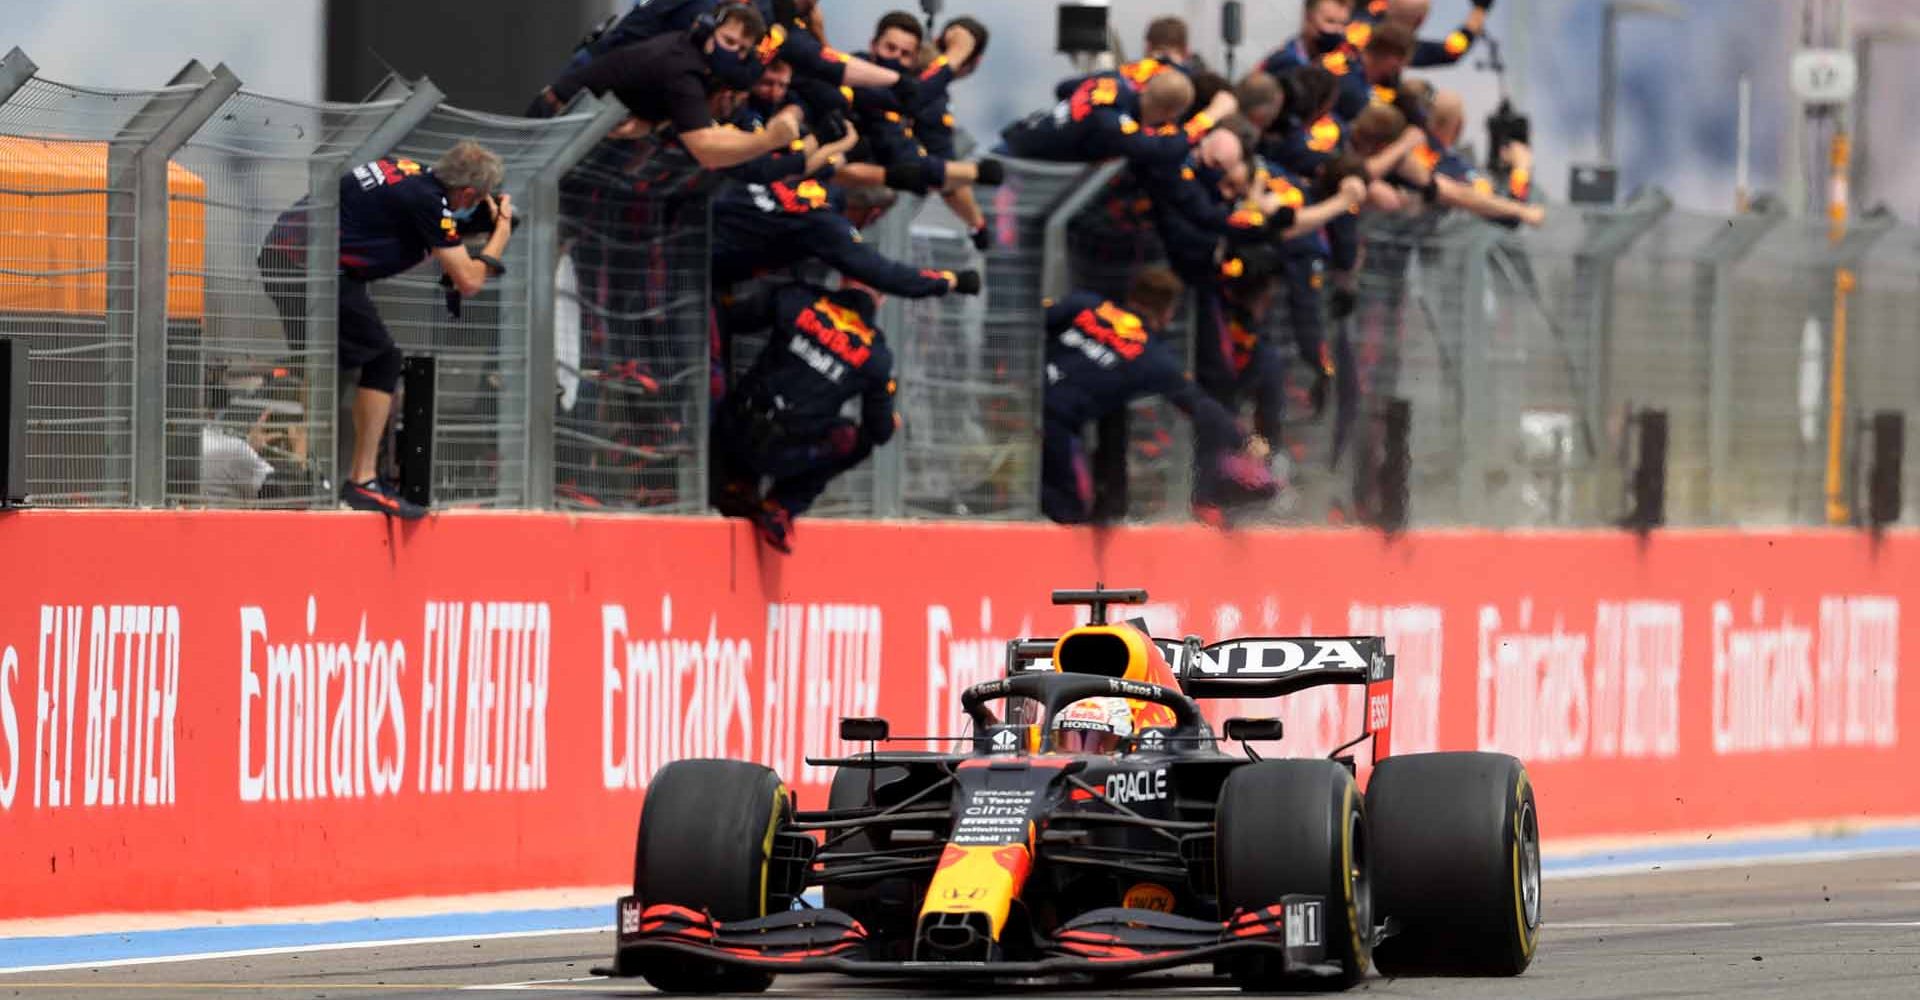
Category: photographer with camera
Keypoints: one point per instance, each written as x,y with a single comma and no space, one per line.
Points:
394,214
669,78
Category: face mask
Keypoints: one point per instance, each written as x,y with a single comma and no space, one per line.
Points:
733,70
463,214
892,64
1330,40
1210,176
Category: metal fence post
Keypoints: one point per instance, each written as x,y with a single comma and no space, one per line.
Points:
140,163
15,70
1610,234
543,258
1713,313
1475,375
895,242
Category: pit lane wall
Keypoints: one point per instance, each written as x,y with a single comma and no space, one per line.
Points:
208,711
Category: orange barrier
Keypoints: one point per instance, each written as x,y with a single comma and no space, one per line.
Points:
225,710
53,223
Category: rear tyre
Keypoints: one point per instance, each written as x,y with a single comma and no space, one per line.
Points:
1296,826
1456,841
706,832
886,907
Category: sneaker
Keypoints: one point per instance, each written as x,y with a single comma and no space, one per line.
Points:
774,526
378,495
737,499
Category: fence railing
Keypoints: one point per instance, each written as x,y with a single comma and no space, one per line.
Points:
172,363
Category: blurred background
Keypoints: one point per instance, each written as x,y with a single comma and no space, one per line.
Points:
1678,90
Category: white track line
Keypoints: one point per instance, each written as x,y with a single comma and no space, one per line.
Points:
1703,864
1601,925
1872,923
298,949
534,984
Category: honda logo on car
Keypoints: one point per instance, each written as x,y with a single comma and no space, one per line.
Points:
1137,786
1267,657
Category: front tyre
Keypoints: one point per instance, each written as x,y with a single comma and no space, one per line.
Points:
706,839
1456,864
1297,826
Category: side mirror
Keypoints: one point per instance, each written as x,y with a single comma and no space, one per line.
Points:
1248,730
863,730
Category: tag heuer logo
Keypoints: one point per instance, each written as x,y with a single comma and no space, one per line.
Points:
1005,740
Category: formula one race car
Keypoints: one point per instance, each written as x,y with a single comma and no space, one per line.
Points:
1093,828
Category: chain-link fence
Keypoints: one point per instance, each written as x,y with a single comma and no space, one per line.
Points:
169,258
250,415
633,331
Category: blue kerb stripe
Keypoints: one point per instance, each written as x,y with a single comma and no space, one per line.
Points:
196,940
1889,839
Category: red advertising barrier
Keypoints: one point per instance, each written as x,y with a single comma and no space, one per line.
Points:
203,711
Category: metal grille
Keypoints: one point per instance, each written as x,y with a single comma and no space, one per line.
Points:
966,443
250,415
632,337
68,221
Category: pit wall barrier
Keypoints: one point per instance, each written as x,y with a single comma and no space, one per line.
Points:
216,711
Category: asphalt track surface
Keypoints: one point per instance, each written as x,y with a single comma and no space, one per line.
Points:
1841,930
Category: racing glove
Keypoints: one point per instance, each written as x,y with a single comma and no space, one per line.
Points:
909,176
990,172
906,91
966,282
982,239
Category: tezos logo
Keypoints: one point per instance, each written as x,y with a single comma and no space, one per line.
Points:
1005,740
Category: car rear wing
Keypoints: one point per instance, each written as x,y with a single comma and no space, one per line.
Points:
1272,667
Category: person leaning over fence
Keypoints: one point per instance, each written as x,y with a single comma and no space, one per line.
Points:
1465,186
783,423
394,213
1411,14
1107,118
1322,40
667,80
891,154
1100,357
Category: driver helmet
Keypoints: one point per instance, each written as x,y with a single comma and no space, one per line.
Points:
1093,725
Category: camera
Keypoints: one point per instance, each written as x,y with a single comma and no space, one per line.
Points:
830,126
1505,125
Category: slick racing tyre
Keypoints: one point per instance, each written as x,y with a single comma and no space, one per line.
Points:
885,907
1296,826
706,832
1456,864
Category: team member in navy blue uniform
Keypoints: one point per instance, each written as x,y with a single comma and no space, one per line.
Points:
669,78
1106,118
790,38
893,154
1377,77
1100,357
1322,37
393,214
784,422
1411,14
962,46
802,157
766,227
1166,51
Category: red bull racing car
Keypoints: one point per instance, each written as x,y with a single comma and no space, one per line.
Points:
1094,827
